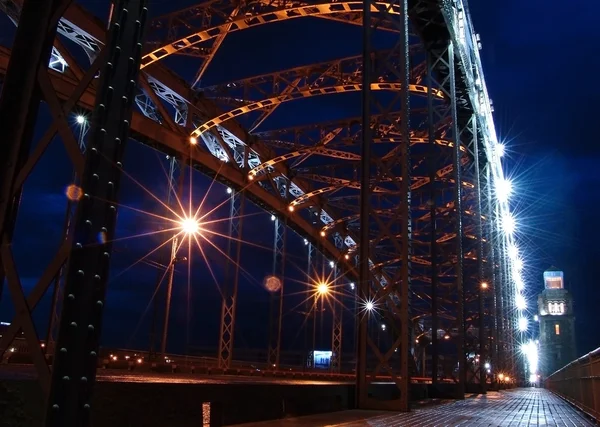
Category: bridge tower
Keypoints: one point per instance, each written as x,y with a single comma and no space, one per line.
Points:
557,323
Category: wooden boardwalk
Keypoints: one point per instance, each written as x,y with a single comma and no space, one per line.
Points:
521,407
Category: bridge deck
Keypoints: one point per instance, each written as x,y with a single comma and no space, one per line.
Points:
521,407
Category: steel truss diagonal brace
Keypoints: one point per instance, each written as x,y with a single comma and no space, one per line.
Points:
232,271
75,359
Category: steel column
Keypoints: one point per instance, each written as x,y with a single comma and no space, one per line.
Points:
230,289
309,353
365,205
491,240
433,225
75,360
457,175
405,213
337,309
276,298
480,255
175,245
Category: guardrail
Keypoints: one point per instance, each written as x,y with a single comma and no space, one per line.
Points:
579,383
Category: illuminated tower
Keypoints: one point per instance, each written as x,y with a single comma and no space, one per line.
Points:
557,323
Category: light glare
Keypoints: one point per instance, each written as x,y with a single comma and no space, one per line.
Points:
523,324
322,288
508,223
80,119
500,149
503,189
190,226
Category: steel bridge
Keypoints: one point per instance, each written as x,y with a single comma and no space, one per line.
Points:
401,202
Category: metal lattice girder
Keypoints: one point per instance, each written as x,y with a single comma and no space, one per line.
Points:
233,135
198,30
26,82
75,359
393,298
232,272
337,310
276,297
266,92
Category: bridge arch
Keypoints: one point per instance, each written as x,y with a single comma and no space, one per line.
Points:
287,11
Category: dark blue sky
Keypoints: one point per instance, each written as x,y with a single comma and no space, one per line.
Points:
533,59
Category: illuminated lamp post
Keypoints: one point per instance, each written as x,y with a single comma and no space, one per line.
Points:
189,226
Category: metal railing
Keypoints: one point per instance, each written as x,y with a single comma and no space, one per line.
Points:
579,383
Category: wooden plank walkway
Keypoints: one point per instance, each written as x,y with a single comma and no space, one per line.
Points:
521,407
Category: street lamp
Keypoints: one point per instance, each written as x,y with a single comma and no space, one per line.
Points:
80,119
190,226
322,288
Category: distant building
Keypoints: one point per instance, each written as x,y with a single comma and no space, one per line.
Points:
557,323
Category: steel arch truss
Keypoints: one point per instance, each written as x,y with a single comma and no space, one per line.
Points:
427,237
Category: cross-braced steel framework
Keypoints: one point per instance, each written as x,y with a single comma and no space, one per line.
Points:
402,199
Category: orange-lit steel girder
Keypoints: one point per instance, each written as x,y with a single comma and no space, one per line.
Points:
258,13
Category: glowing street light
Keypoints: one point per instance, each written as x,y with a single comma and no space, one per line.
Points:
80,119
273,217
484,285
500,149
513,252
229,190
520,302
331,264
383,326
193,140
352,285
322,288
369,306
523,324
190,226
519,264
519,282
503,189
508,223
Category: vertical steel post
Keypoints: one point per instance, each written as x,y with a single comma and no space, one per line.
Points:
405,209
232,275
173,194
500,292
336,326
457,175
365,204
480,255
75,360
168,295
19,102
309,354
490,233
276,299
433,225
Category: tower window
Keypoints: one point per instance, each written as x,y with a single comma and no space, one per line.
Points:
557,329
555,307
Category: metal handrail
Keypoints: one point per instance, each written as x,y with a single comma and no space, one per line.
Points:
579,383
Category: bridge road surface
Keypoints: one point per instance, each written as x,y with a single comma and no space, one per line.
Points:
520,407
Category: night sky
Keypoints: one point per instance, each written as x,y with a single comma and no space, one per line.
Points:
533,55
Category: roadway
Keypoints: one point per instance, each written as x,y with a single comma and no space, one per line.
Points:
27,372
520,407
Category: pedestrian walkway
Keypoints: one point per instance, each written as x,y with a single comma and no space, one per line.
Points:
521,407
